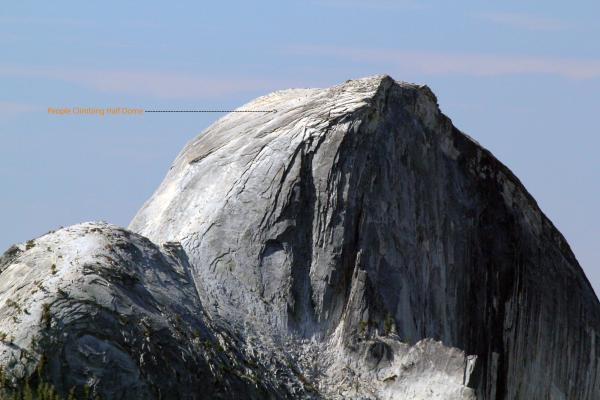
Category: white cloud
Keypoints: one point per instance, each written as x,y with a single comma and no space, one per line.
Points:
33,21
11,109
385,4
74,22
157,84
524,21
473,64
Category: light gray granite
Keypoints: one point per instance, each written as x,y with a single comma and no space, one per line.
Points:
352,245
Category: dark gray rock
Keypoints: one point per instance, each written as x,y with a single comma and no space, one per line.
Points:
352,245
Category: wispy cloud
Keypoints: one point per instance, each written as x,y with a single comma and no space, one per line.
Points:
474,64
157,84
385,4
75,22
524,21
11,109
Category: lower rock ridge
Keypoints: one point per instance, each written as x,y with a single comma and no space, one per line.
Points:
353,245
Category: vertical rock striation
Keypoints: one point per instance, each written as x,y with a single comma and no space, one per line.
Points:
354,244
361,208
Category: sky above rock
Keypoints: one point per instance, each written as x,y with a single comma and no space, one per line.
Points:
522,78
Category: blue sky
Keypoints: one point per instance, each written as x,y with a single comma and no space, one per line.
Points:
521,77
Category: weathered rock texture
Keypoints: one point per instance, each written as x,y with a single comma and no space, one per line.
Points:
352,245
95,305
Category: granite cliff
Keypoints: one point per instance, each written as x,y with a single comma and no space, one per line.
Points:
354,244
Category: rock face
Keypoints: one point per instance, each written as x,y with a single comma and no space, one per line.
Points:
95,305
352,245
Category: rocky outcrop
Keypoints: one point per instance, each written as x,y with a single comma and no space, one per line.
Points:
354,244
97,309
